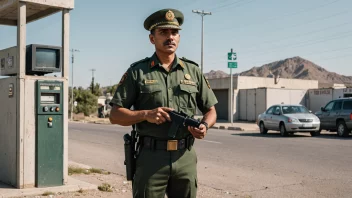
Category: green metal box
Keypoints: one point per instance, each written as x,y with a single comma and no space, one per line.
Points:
49,134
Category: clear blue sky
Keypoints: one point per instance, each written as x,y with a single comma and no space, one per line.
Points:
110,35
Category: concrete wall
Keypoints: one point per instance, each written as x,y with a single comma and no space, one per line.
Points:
223,83
344,92
29,133
286,96
16,163
320,97
248,82
8,133
255,101
331,85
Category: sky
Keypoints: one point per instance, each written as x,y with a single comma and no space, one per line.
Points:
110,35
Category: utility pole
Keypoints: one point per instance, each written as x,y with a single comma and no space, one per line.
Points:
73,60
202,13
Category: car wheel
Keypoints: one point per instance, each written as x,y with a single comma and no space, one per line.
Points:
283,131
262,128
342,130
315,133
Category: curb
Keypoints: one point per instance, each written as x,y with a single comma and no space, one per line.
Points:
223,127
228,128
78,165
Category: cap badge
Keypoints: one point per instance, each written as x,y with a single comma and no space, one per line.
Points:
169,15
187,76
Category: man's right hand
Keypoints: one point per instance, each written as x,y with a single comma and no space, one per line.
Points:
158,115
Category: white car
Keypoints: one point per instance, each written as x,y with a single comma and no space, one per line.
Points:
289,119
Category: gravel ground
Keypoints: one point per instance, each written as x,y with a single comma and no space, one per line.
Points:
122,189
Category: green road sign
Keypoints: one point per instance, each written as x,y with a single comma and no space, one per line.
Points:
232,64
231,56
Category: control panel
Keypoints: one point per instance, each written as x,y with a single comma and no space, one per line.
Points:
49,97
49,133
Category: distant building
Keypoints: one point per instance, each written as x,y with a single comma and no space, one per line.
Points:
221,88
103,101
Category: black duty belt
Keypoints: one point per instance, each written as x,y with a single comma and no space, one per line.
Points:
169,145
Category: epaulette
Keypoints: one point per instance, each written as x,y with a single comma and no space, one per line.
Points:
140,61
189,61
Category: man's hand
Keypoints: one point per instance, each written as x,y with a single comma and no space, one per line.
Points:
158,115
198,133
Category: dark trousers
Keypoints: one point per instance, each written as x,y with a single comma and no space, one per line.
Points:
160,172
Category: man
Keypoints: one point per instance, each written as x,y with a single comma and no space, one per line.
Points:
154,86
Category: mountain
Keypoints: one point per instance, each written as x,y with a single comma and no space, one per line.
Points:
216,74
295,67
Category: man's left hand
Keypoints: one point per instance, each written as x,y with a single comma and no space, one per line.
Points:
198,133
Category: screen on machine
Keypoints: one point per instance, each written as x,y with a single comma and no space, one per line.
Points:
50,98
46,58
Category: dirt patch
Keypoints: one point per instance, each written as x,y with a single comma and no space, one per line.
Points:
114,185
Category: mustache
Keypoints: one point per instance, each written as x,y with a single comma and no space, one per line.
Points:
168,42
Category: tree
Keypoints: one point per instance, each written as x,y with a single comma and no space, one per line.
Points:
95,88
111,89
87,102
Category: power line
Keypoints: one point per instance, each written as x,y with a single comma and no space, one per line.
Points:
341,49
226,5
313,53
282,16
310,42
302,44
334,50
235,6
337,57
297,35
301,24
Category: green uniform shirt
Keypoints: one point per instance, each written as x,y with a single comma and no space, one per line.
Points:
147,85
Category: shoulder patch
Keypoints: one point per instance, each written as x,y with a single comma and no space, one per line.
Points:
140,61
189,61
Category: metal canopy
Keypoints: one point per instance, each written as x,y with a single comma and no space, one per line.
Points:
36,9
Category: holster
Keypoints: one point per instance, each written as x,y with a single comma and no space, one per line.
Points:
130,154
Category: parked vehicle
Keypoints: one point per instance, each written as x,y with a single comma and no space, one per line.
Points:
337,116
288,119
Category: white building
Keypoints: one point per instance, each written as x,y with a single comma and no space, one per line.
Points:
221,88
320,97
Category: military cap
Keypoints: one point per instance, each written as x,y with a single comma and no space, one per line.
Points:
165,18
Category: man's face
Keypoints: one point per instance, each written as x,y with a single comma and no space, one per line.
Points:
165,40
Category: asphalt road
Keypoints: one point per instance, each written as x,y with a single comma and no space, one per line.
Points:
240,162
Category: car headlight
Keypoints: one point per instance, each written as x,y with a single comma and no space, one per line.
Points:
292,120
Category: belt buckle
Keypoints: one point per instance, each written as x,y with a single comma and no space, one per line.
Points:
172,145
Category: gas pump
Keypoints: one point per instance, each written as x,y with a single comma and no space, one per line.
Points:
33,105
49,133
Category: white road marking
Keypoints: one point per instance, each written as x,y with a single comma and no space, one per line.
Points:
76,130
212,141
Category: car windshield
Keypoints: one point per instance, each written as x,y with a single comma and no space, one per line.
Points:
294,109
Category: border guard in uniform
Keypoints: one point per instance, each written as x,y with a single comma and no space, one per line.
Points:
155,86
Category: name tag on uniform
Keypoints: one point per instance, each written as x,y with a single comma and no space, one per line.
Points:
188,82
148,82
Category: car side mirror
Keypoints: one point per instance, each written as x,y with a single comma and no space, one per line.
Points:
310,111
322,108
